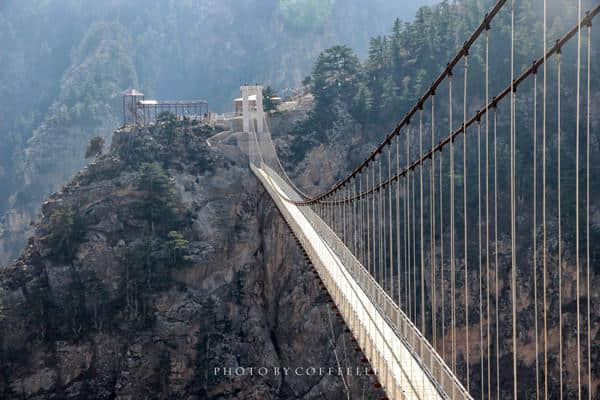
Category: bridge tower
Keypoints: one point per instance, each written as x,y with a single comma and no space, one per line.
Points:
252,108
131,98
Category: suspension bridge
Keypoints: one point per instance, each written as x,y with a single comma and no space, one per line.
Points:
444,253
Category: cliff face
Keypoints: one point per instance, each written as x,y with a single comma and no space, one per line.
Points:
154,270
85,107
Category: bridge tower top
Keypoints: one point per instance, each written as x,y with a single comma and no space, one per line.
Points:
252,114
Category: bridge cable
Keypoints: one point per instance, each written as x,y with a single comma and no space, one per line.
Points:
480,255
496,250
360,242
406,203
587,170
333,345
512,198
398,227
342,209
422,257
368,223
355,221
443,286
414,240
465,241
544,231
578,107
535,296
390,224
560,350
380,225
432,229
437,82
452,234
374,232
408,225
487,216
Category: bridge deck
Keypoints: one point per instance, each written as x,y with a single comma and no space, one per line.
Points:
400,373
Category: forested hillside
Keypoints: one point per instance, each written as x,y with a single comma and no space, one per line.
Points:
358,103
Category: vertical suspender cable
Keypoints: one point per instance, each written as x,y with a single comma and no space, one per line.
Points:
407,223
390,241
496,251
368,223
432,228
480,254
421,242
398,225
353,206
452,239
374,248
466,228
342,206
544,235
349,204
535,302
512,197
380,224
587,202
577,294
487,216
560,352
360,221
443,285
414,240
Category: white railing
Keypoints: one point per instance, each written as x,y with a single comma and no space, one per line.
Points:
430,363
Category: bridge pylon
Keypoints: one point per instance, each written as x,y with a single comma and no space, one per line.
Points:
253,113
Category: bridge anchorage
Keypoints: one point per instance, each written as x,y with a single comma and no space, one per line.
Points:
447,251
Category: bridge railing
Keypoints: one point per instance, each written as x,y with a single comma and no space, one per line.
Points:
262,155
406,330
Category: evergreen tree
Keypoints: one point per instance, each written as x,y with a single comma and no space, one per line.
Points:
65,231
335,76
268,95
95,147
159,195
177,246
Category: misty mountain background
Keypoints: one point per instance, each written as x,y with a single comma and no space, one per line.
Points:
65,64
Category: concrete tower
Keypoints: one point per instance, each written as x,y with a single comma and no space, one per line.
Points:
252,108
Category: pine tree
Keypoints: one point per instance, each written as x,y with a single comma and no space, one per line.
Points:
268,95
95,147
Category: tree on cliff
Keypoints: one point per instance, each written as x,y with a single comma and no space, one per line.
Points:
268,95
158,204
64,233
178,247
335,76
95,147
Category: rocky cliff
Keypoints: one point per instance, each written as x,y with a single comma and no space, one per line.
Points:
158,267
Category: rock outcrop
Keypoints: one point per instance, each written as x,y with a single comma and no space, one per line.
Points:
163,270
